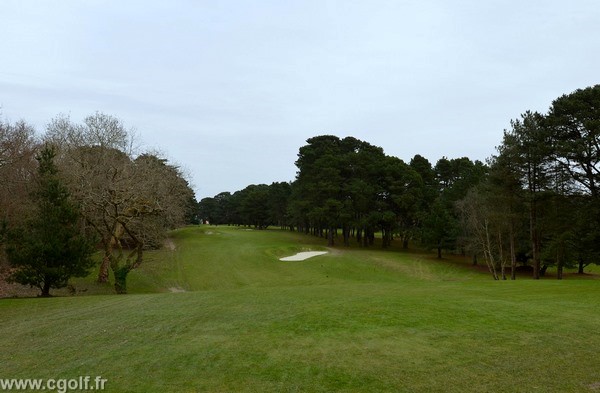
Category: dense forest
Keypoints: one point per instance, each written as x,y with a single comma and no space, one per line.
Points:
532,205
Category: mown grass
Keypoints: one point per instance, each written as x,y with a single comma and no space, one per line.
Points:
352,321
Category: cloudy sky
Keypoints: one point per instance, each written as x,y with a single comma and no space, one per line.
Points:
231,89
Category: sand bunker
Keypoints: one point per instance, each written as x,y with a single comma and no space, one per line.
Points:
303,255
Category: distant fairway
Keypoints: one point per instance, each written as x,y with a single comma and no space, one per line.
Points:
228,257
352,320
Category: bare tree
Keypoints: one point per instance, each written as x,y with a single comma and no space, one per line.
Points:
130,202
18,146
99,129
475,217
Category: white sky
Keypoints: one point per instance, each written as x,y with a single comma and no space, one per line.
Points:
231,89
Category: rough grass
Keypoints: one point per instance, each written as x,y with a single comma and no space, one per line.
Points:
352,321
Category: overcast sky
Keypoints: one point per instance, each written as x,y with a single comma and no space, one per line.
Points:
231,89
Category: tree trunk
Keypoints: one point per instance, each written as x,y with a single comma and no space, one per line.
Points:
487,252
405,243
474,259
580,266
386,235
45,290
103,272
535,242
559,268
121,280
492,266
330,237
513,256
117,234
536,260
439,252
501,256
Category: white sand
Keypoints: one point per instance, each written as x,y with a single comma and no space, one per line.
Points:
303,255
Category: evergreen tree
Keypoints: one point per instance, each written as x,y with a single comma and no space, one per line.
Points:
50,247
528,146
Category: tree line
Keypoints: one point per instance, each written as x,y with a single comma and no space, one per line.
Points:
348,190
79,188
83,187
540,203
532,205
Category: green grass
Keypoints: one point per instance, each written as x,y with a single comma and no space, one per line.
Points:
353,320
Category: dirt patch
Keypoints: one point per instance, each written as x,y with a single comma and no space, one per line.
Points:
594,387
169,244
176,290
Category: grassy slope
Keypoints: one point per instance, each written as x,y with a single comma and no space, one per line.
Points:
352,320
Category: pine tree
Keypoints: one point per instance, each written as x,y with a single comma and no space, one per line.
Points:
50,247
